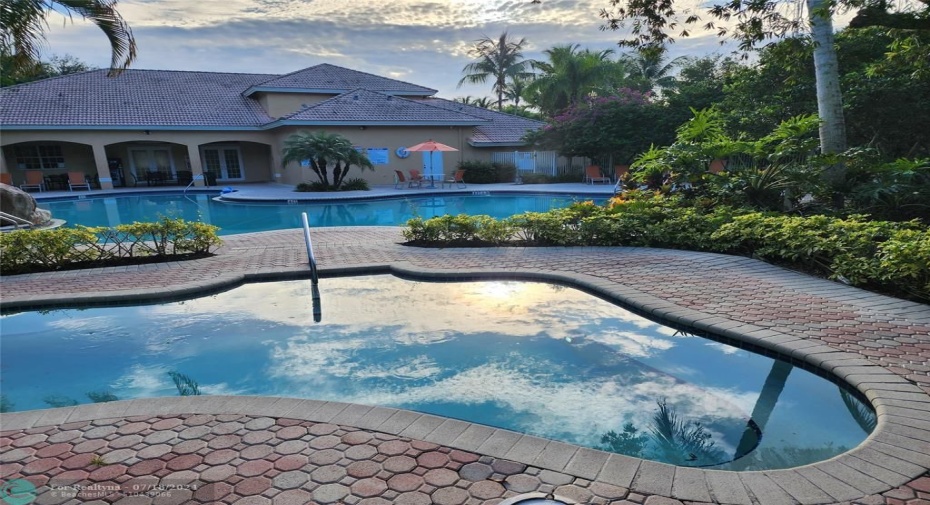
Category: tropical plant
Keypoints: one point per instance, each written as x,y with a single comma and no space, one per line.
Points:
650,68
569,75
23,24
500,60
755,22
322,149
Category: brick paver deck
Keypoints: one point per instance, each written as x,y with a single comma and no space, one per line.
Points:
252,450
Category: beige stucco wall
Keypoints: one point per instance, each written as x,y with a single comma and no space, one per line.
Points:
261,150
283,104
255,146
391,138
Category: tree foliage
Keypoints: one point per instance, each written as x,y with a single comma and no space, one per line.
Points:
23,24
618,126
888,109
10,74
322,150
499,60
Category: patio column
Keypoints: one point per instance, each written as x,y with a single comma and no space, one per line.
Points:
277,171
193,154
103,168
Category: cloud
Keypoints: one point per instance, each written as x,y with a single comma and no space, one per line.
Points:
424,42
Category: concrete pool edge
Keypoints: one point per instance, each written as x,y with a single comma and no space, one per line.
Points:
885,460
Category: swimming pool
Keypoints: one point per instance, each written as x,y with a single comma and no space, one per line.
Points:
234,217
531,357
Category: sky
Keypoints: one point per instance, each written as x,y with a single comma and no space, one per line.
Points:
425,42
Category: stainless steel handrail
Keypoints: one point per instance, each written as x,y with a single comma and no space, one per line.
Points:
18,221
314,275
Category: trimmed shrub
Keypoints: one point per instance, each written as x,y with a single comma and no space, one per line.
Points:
24,251
484,172
354,185
887,256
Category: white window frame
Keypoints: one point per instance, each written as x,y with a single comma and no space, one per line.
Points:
223,175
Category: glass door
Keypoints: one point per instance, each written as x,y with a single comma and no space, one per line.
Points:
224,161
151,160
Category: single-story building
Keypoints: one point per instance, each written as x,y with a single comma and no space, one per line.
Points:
232,126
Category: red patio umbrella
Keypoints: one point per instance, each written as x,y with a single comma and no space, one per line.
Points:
431,146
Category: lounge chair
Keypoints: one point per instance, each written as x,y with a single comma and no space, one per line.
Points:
6,178
34,180
593,173
457,178
77,180
400,179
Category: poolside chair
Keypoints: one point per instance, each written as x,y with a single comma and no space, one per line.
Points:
416,177
400,179
77,180
34,180
457,178
593,173
620,171
6,178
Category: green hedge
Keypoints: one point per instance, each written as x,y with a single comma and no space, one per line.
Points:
887,256
24,251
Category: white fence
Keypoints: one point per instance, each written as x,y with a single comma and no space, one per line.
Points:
541,162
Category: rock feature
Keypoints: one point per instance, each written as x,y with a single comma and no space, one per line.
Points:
17,202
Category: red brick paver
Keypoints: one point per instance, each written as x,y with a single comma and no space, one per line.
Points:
256,459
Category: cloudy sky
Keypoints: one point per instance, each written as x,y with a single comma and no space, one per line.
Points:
422,41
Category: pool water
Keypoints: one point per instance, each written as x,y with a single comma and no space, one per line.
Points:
253,217
531,357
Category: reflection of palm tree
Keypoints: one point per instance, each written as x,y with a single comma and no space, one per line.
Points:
680,442
863,415
186,385
670,440
765,404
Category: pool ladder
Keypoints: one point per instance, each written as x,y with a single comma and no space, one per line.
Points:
314,275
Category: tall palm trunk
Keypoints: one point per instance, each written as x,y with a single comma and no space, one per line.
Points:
829,97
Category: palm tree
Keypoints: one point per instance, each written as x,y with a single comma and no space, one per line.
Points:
500,60
23,24
649,67
322,149
515,89
827,78
483,102
569,75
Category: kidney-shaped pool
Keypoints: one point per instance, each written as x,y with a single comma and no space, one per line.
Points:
531,357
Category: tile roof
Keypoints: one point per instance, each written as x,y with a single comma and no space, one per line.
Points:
371,108
502,128
135,98
326,77
212,100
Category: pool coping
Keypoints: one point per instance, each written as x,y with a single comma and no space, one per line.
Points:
284,194
897,451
